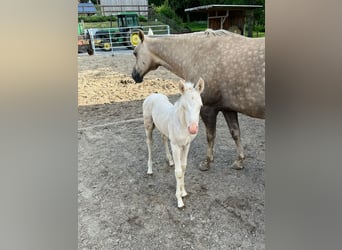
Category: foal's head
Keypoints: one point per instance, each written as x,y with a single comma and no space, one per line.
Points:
190,103
145,60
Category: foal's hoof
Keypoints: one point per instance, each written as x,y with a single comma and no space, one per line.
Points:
237,165
205,165
184,194
182,207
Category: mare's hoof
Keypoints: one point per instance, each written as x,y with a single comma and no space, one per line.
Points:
237,165
205,165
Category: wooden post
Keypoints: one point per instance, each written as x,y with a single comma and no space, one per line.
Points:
250,23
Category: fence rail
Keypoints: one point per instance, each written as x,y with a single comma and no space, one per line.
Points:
107,10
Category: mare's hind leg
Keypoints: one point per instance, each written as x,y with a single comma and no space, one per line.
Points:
209,116
167,150
234,128
149,126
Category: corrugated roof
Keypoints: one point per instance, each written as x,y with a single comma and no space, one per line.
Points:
204,8
86,8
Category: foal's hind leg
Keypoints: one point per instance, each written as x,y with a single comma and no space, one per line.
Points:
149,126
231,118
209,116
167,150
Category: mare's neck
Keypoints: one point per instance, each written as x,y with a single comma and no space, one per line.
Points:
170,53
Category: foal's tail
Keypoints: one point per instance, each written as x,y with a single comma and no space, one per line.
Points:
147,114
147,107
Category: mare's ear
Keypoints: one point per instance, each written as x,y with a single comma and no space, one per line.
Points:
141,35
181,86
200,85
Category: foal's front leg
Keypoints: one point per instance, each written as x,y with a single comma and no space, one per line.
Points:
176,153
184,160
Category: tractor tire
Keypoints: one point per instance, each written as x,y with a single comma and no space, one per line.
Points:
107,47
132,39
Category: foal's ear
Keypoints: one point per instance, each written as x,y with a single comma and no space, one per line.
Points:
141,35
181,86
200,85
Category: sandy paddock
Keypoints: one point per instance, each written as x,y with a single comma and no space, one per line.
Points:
107,79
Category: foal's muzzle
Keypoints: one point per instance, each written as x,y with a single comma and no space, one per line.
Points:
193,128
136,76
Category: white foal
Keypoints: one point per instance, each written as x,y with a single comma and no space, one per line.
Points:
179,123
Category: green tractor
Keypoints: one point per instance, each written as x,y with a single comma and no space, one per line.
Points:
125,35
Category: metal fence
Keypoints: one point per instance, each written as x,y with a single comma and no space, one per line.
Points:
109,39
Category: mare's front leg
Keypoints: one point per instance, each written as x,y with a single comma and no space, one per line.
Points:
231,118
167,151
209,116
176,153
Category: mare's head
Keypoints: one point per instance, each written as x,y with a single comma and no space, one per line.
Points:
190,103
145,60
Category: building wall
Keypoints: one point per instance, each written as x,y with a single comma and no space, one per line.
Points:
117,6
235,18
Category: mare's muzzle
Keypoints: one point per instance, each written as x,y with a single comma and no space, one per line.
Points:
136,76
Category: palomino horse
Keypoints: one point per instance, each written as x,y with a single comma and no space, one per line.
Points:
232,66
177,122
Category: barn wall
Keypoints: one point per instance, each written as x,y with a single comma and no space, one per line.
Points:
125,5
235,18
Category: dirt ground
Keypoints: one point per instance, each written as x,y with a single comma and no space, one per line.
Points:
120,207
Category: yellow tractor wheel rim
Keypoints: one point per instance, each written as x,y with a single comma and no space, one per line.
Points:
134,39
106,46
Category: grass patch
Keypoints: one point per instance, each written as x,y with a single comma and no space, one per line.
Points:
258,34
196,26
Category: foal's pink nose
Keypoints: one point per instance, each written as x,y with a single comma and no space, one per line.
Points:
193,128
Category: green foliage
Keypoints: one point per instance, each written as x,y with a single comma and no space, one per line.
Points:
95,18
142,19
166,11
259,28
